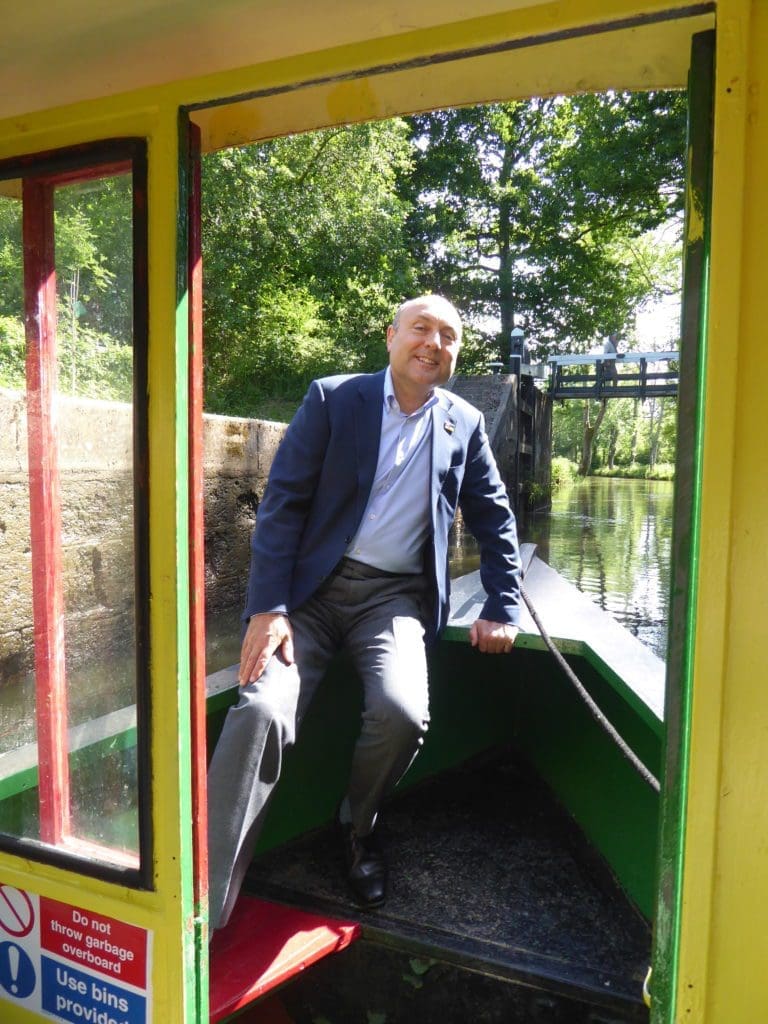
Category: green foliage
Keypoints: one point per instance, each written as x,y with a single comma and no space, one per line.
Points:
567,429
93,227
638,471
91,365
630,431
304,260
92,232
12,353
538,213
94,255
530,211
563,472
11,273
279,410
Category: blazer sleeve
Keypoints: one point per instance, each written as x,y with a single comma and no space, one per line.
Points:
487,513
286,504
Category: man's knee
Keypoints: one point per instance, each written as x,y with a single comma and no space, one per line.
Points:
262,711
397,719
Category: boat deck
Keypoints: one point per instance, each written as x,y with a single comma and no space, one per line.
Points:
489,876
579,626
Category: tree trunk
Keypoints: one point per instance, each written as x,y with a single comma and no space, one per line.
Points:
612,449
505,278
655,432
633,446
590,436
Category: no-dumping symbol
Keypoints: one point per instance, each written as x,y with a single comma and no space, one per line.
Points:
17,975
16,913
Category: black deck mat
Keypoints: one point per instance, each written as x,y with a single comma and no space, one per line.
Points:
488,872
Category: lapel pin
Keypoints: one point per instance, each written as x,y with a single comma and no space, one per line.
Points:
449,427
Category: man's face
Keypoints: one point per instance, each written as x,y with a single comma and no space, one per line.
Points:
424,345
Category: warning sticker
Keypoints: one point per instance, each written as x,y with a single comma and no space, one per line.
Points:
70,964
111,947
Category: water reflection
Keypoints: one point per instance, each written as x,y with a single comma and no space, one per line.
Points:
612,539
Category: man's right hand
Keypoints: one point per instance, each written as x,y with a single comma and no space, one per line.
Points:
266,632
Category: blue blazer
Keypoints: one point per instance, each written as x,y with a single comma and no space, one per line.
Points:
319,485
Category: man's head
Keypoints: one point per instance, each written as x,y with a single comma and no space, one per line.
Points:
423,342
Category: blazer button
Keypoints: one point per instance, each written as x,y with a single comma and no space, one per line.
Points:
348,540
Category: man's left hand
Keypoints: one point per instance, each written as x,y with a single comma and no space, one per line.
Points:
493,637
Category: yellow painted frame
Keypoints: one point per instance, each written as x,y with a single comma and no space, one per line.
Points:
167,910
722,951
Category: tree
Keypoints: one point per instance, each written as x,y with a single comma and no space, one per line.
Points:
529,213
591,428
635,433
304,259
94,270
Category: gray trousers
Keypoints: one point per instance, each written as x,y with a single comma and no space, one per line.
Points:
377,618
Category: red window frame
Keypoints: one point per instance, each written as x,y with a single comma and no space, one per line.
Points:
41,174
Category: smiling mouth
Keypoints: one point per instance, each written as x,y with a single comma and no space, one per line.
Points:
426,362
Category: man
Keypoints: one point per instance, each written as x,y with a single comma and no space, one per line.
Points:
350,550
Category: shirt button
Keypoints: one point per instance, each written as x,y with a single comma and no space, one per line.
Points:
372,515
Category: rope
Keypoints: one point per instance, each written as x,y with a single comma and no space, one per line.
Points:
594,710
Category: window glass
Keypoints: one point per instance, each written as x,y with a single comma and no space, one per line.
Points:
94,300
18,731
69,768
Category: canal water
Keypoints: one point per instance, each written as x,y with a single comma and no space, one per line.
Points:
612,539
609,537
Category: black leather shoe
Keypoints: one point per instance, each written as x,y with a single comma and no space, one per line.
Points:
366,868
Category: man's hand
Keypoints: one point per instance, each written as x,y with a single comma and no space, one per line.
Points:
493,637
266,632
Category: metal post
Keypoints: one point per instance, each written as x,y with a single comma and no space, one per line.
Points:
516,350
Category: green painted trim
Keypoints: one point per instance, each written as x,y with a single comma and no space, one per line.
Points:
687,530
626,692
196,972
27,778
580,649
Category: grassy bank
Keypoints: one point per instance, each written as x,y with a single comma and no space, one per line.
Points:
637,471
565,472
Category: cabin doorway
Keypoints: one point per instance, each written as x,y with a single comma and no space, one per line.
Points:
464,79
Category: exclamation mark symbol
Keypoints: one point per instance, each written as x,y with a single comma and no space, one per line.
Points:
13,968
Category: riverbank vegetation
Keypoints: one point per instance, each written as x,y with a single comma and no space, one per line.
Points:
565,472
637,471
636,438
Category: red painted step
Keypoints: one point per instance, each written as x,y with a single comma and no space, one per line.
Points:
264,945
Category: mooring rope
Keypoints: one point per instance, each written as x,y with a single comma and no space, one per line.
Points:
594,710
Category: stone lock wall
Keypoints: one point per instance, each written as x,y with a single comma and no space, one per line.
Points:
95,462
238,456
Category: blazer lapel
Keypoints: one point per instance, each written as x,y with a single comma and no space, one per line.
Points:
370,400
443,443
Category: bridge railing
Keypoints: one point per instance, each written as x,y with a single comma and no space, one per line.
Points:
610,379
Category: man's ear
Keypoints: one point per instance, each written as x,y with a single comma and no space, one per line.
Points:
390,335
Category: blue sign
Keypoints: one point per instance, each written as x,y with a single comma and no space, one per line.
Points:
70,995
17,975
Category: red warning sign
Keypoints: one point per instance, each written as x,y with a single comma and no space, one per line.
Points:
101,944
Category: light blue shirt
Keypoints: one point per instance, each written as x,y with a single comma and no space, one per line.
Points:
396,520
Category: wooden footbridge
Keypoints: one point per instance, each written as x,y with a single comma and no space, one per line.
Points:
610,379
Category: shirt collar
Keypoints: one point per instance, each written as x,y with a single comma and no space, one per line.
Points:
391,403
